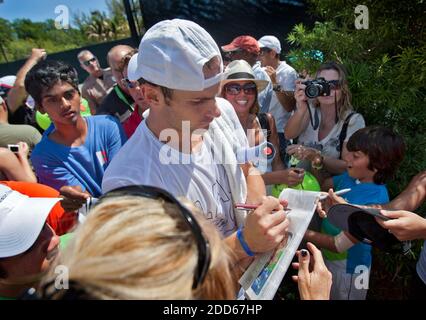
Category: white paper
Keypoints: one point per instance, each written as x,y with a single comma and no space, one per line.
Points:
263,277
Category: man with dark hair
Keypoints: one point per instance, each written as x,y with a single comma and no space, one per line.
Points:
76,150
247,48
118,102
98,83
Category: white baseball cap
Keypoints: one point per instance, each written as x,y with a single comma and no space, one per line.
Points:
21,220
172,54
270,42
6,83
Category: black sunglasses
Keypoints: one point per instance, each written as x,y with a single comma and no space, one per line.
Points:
234,89
265,50
335,84
87,62
74,292
129,84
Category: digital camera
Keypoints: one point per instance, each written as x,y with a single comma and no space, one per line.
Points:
317,87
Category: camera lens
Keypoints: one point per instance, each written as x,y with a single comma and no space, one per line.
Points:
313,91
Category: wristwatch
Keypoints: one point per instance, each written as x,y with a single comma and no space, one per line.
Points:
276,87
318,162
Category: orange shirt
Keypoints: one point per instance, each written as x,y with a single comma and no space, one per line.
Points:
60,221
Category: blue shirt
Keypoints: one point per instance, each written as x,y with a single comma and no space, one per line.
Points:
57,165
360,194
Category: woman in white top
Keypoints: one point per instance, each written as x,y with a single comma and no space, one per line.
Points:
319,124
241,89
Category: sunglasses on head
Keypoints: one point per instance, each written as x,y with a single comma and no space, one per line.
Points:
234,89
75,292
87,62
203,245
334,84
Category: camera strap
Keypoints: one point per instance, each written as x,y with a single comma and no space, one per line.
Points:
311,118
343,133
336,116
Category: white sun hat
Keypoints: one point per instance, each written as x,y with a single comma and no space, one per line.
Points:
240,70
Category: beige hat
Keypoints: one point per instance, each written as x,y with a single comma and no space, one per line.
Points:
240,70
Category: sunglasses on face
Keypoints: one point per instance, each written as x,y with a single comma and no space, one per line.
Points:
75,292
129,84
88,62
335,84
234,89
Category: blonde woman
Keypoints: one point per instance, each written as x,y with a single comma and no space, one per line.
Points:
141,243
324,125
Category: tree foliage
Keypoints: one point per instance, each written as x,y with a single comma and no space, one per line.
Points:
20,35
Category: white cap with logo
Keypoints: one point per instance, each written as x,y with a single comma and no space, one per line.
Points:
270,42
172,54
21,220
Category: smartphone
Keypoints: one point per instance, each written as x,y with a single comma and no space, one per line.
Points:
13,147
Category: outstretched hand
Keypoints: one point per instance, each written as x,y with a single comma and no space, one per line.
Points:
324,205
73,197
404,225
313,279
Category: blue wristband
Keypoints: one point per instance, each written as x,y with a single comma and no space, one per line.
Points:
244,243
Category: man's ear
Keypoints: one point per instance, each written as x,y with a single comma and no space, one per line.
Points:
39,107
152,95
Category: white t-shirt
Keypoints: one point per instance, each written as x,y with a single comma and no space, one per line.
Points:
199,177
330,144
286,77
265,96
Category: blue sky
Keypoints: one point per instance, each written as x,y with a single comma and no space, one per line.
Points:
40,10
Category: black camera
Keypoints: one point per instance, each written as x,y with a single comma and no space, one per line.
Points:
317,87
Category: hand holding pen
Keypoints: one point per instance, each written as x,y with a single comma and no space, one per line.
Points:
332,198
266,227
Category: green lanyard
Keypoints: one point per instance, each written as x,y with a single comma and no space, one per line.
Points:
123,98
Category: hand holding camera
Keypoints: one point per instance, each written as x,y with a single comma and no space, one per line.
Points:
317,87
